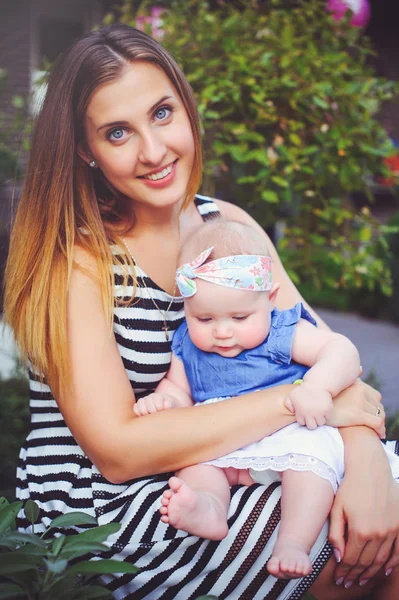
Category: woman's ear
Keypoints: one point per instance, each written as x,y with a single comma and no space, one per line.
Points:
83,153
273,294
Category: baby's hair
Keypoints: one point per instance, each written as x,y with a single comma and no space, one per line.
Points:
228,238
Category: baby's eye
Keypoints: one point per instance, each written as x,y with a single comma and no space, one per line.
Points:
116,135
204,319
163,112
240,317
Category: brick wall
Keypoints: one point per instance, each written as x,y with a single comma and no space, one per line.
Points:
15,43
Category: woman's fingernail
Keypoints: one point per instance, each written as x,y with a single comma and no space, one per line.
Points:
339,580
363,581
337,555
388,572
348,584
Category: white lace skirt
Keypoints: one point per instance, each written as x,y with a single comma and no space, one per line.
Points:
320,451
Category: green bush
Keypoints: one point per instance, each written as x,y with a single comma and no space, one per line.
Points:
288,106
14,426
44,567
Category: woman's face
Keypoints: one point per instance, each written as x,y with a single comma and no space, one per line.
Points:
139,135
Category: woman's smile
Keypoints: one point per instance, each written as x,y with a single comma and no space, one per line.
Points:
160,178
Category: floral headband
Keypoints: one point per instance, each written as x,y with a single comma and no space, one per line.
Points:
243,272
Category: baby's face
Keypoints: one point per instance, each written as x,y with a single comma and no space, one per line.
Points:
227,321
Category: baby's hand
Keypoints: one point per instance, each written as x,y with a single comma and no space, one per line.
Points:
310,404
152,403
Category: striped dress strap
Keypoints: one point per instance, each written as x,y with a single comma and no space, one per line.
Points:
206,207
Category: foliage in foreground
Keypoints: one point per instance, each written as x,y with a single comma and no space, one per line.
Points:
14,427
44,567
288,103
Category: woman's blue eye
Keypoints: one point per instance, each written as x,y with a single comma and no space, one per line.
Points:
116,134
162,112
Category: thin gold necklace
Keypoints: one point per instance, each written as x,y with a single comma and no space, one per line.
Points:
161,312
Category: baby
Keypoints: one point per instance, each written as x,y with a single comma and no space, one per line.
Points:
233,342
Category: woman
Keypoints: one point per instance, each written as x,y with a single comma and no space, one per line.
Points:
114,168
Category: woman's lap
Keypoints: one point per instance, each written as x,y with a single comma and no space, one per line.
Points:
185,568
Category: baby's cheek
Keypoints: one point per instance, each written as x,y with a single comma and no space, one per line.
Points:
199,337
256,335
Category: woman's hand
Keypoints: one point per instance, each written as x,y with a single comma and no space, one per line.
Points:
364,521
358,405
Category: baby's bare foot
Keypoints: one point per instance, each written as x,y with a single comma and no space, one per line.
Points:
197,513
289,560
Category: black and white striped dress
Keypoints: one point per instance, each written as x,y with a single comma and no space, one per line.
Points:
55,472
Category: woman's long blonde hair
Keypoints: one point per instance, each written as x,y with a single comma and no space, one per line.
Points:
65,203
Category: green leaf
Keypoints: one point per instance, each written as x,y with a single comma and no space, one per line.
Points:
58,543
211,114
103,566
295,139
265,58
31,511
8,515
11,591
365,234
270,196
17,102
287,35
81,549
23,538
320,102
94,592
238,153
56,566
72,519
15,562
310,150
3,502
280,181
97,534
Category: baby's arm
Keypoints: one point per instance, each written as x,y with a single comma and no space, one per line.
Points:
335,365
173,391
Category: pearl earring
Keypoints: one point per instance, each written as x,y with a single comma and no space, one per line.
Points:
92,164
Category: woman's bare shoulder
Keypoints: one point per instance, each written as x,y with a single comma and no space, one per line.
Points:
236,213
83,259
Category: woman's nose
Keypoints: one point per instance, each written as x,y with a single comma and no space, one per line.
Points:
152,148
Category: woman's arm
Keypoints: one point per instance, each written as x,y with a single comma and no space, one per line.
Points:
364,526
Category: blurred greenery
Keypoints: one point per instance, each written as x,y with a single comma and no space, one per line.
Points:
14,427
288,104
10,127
373,304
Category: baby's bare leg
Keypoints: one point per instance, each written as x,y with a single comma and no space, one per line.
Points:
198,501
306,501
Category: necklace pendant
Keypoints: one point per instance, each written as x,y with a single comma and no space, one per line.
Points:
165,328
